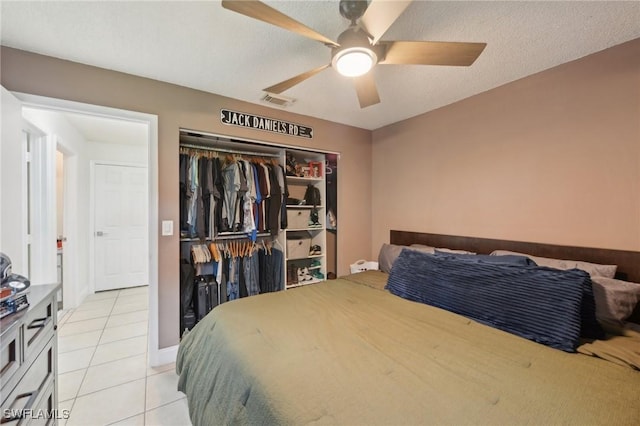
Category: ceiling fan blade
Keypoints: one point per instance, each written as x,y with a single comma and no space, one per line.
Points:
367,90
262,12
431,52
380,15
287,84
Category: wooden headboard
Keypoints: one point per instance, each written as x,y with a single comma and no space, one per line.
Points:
628,261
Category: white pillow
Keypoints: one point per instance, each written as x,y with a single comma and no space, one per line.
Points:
423,248
432,250
446,250
615,299
593,269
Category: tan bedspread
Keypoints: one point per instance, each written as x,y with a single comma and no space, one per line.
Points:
345,353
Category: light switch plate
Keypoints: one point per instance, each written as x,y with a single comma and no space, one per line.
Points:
167,227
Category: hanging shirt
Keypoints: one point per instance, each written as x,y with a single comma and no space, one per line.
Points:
248,223
231,179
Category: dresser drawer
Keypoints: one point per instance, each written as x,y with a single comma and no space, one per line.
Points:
38,327
10,355
45,413
31,389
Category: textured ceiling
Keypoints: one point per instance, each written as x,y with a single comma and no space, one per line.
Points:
203,46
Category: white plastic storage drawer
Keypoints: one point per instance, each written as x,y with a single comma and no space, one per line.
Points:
298,248
298,218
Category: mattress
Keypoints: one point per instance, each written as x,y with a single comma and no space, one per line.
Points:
346,352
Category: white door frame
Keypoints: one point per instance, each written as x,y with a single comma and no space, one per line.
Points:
92,212
43,227
156,356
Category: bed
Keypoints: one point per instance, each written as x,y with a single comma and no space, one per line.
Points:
347,351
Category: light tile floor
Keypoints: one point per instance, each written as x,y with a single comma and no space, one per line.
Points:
103,373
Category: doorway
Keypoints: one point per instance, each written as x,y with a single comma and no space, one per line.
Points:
77,172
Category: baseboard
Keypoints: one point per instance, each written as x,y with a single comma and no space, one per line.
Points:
163,356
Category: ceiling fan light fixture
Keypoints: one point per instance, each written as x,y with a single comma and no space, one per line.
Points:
354,62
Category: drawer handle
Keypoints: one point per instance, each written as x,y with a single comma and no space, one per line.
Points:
32,397
42,322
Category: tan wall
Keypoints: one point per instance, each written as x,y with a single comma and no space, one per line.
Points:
554,157
178,107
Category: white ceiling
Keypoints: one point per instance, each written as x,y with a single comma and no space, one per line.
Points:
203,46
108,130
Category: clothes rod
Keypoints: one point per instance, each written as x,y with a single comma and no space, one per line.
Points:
232,236
226,236
230,151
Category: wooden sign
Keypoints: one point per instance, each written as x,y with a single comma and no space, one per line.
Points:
256,122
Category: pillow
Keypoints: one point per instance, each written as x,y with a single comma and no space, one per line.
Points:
615,299
389,253
594,269
507,258
446,250
539,304
424,248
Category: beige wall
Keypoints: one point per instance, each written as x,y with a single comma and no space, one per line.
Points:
554,157
178,107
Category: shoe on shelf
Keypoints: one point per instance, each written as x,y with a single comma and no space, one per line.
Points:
306,274
318,275
313,218
315,262
314,250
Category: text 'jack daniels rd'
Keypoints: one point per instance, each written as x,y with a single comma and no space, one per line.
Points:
241,119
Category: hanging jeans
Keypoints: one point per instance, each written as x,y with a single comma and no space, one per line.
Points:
233,283
251,273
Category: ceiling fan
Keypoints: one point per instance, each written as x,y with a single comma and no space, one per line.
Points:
359,47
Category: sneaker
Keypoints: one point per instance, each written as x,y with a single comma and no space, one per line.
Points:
313,218
307,274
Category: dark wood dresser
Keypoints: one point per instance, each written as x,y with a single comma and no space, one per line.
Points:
28,355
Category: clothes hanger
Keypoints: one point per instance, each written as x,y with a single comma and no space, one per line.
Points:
214,253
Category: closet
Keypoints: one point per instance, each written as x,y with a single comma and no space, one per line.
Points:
305,234
252,221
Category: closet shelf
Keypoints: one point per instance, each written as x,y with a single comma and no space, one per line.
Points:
311,228
302,180
296,206
313,281
306,257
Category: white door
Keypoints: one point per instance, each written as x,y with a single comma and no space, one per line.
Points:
120,231
13,185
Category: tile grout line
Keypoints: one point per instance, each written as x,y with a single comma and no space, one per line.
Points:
86,370
95,348
106,323
146,376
